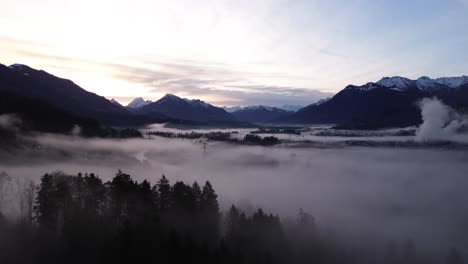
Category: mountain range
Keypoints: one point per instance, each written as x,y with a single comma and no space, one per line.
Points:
185,109
197,110
289,108
260,114
391,101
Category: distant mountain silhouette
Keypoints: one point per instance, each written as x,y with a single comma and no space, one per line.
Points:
138,103
293,108
260,114
290,108
390,102
66,95
231,109
185,109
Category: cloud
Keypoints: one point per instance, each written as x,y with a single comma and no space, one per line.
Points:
217,83
227,93
441,122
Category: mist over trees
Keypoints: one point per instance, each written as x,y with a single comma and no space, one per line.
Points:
81,219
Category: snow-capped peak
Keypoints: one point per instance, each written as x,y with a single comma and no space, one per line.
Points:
423,83
138,103
452,82
366,87
193,102
396,82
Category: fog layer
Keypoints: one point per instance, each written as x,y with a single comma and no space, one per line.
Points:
383,193
362,193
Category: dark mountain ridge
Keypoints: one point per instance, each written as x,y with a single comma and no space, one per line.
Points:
390,102
185,109
39,116
260,114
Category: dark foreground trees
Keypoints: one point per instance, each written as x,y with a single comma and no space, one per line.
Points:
81,219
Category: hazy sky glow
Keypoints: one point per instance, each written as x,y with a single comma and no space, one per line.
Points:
234,52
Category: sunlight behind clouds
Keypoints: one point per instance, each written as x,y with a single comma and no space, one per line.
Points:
314,45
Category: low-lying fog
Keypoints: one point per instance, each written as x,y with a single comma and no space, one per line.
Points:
382,193
386,192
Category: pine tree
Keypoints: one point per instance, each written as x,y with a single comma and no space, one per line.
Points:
209,199
197,194
183,198
145,200
45,208
164,193
95,195
209,208
145,192
122,190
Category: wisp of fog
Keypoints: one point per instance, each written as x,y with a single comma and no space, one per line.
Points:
441,122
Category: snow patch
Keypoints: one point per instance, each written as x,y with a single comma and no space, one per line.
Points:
400,83
138,103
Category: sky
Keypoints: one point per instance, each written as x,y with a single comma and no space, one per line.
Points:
234,52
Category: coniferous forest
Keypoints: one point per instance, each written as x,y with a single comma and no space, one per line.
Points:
81,219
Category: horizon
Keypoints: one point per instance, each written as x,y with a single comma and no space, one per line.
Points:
127,100
235,53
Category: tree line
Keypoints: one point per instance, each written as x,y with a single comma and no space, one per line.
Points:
250,139
81,219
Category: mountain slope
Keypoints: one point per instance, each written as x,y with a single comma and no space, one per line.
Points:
66,95
115,102
260,114
40,116
185,109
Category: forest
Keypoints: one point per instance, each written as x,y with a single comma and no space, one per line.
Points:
81,219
